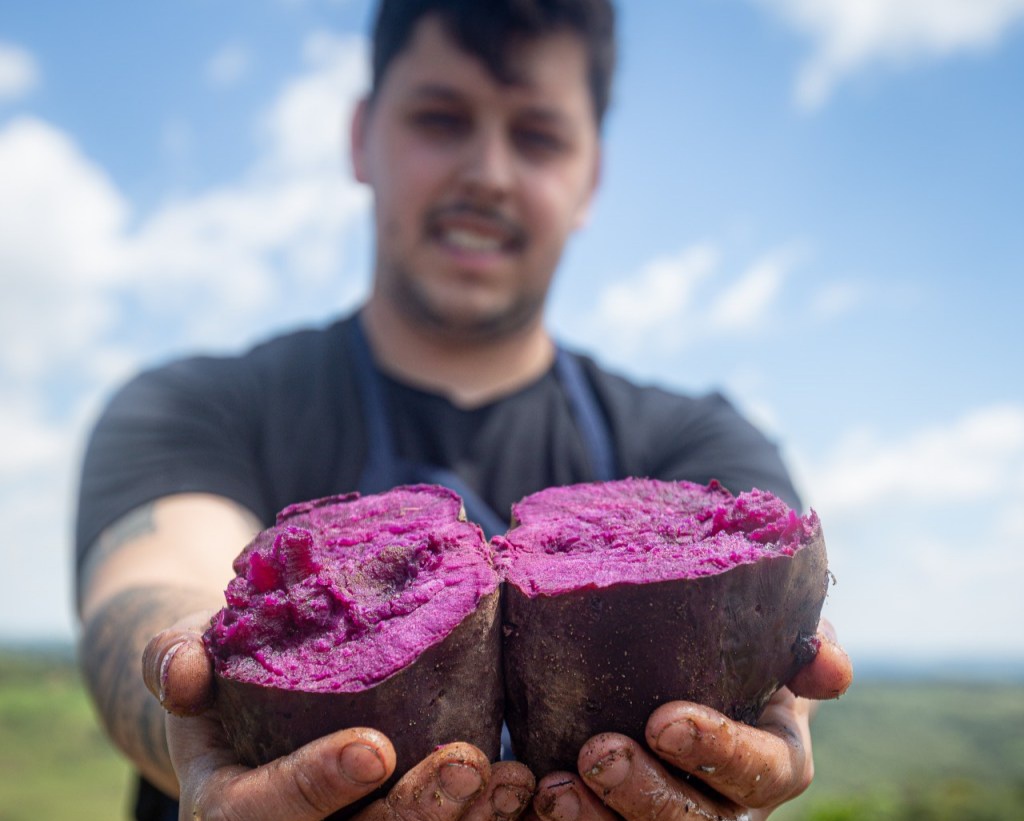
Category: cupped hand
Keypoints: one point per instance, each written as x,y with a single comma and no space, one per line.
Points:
454,783
699,763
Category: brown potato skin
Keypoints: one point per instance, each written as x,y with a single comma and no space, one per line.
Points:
452,692
601,660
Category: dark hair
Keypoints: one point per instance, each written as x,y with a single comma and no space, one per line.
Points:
489,30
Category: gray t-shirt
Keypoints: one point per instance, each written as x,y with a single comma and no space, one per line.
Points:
282,423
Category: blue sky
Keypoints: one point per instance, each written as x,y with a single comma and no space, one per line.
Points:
815,207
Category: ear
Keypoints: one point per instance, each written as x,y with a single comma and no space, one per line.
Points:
583,214
358,141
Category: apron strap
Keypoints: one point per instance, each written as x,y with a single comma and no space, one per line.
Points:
380,469
477,510
384,469
589,420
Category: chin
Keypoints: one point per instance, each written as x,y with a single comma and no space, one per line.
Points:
475,324
455,316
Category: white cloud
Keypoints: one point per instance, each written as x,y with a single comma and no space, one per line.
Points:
19,72
29,442
228,66
37,469
90,288
306,130
748,301
61,247
851,35
62,215
926,534
835,299
656,298
665,306
979,454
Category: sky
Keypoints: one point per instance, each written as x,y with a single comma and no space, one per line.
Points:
813,206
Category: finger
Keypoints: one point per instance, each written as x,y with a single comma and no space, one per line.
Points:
829,674
564,797
177,670
307,785
507,795
754,766
636,785
439,788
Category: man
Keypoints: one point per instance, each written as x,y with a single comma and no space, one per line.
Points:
480,141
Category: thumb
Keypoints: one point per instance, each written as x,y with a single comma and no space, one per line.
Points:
177,670
829,674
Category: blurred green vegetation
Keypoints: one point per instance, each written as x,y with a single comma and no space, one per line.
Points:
889,750
925,750
55,762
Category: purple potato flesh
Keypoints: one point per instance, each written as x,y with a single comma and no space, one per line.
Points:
377,611
621,596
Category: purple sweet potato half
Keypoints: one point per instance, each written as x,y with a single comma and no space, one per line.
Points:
377,611
624,595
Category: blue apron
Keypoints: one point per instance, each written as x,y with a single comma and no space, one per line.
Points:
384,469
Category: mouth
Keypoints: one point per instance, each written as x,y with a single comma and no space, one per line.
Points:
470,229
462,239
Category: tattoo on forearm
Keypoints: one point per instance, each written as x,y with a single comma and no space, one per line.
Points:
111,654
133,525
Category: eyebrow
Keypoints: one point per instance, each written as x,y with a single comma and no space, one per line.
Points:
436,91
447,94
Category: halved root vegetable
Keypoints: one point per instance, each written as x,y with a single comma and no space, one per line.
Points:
377,611
621,596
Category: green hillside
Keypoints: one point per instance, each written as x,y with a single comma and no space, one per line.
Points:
928,751
889,750
54,760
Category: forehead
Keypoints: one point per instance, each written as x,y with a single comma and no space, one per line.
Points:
549,70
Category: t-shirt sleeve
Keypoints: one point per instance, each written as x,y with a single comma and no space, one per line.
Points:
666,435
182,428
714,441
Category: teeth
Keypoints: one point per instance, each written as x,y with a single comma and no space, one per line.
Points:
471,241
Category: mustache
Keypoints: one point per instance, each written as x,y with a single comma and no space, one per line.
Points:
476,211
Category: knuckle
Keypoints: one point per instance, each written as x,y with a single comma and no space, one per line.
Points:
314,789
663,807
766,788
667,805
714,742
773,785
207,809
399,807
805,777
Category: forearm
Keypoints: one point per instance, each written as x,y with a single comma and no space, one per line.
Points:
110,654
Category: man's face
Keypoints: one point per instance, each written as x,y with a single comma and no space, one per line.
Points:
477,184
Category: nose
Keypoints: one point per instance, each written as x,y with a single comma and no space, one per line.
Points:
489,167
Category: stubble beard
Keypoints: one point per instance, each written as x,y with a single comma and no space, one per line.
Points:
421,309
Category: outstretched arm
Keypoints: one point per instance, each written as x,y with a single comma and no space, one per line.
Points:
147,592
148,570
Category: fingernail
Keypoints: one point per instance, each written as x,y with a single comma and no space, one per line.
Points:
165,668
678,737
361,764
508,801
560,803
611,770
459,781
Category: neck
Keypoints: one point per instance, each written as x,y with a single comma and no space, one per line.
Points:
470,373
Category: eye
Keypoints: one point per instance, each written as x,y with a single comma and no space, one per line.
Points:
540,142
440,122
